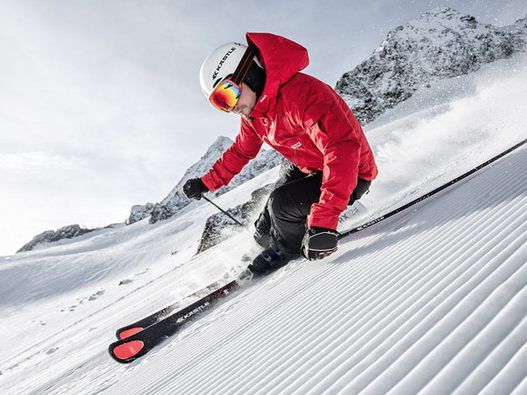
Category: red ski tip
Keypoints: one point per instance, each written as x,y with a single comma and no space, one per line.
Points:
128,350
129,332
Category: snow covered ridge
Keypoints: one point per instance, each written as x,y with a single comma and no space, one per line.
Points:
66,232
50,236
437,45
176,199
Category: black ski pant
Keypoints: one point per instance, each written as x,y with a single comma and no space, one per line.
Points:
284,215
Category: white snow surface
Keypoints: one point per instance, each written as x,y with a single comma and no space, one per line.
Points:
432,300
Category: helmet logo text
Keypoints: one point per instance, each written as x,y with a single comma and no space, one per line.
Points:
222,61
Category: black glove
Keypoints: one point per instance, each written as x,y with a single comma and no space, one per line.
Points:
194,187
318,243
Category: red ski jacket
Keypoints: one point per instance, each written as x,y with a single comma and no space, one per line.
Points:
307,122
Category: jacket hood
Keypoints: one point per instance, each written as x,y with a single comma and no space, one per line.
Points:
281,58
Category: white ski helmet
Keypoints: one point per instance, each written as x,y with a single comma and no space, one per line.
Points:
222,62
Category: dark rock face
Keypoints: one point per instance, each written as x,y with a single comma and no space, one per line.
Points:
138,212
176,199
49,236
218,225
437,45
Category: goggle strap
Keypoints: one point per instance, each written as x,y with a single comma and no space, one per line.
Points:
244,65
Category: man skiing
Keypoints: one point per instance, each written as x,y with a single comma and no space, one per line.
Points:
331,163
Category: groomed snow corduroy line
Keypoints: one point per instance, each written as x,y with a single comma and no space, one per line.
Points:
262,339
496,362
314,341
512,330
478,282
422,360
504,379
372,329
480,166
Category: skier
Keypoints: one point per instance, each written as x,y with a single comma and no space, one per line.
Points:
331,163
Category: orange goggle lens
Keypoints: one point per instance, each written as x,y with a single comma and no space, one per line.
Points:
225,96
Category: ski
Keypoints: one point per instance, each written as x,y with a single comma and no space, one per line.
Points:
138,326
138,343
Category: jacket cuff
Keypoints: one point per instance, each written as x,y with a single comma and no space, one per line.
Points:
328,223
207,180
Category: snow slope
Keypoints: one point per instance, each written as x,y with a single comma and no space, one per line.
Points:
432,299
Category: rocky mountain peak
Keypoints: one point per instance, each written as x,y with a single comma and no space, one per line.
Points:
439,44
176,199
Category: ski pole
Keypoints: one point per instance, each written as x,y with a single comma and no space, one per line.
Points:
222,210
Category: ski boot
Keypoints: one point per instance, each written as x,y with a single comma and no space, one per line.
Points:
269,260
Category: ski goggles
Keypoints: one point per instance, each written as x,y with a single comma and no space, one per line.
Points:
226,94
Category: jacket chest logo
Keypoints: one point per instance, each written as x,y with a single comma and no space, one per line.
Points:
267,126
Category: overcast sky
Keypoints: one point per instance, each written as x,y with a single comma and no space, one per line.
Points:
100,104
